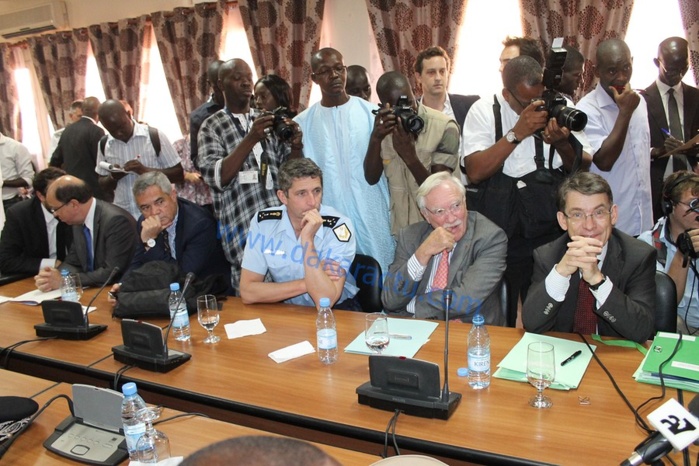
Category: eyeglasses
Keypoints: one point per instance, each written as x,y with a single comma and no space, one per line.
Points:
521,104
598,215
453,209
693,205
338,69
53,211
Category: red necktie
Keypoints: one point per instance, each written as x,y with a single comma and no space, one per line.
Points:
585,317
440,277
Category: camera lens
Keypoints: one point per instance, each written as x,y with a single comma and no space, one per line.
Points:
573,119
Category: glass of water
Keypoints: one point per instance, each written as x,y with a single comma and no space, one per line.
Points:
208,314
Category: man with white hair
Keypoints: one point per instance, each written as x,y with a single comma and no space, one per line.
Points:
452,248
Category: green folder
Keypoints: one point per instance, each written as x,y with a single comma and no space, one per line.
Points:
418,330
514,365
683,366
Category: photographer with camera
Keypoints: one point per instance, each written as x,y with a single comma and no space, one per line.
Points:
409,142
516,153
676,238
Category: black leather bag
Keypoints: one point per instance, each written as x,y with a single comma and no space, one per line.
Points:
536,202
145,291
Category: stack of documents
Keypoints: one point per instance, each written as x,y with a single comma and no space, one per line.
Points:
418,331
514,365
682,371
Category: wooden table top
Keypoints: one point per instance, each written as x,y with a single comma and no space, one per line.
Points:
186,434
490,426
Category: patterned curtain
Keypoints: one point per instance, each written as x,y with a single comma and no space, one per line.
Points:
118,48
9,101
188,40
404,27
282,35
582,24
60,61
689,9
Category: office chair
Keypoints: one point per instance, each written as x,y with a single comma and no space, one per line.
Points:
503,294
367,273
665,303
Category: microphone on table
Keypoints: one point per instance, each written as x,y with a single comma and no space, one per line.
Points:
146,347
677,428
66,319
448,293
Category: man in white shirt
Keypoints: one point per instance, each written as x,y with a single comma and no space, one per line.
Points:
17,170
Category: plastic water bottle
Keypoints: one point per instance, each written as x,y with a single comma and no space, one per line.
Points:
178,308
478,354
327,333
134,427
68,291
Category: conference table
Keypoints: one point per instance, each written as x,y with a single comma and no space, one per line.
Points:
235,380
186,434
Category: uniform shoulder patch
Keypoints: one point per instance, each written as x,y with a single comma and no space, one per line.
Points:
269,215
330,221
342,233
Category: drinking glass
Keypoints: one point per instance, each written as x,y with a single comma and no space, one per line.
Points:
78,285
207,312
376,334
153,446
541,371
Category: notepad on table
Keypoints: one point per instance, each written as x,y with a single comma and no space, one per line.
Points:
36,297
418,330
514,365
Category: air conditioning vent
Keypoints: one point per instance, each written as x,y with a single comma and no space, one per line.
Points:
35,19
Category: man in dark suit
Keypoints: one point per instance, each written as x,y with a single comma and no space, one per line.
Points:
668,132
104,235
76,152
432,67
570,291
26,247
453,248
175,230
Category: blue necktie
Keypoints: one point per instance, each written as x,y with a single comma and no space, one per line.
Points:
88,245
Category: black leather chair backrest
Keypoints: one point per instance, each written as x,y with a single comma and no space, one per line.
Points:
665,303
367,273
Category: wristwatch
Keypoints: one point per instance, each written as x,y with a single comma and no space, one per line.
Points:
150,243
511,137
596,287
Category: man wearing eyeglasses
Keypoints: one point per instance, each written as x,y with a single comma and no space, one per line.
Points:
676,238
336,134
594,279
673,116
104,235
452,248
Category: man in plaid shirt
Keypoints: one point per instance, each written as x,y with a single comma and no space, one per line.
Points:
239,157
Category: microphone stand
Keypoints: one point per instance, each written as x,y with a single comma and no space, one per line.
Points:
447,294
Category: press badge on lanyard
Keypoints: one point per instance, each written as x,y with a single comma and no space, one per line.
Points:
253,176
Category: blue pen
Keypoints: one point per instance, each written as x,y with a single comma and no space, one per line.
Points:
665,132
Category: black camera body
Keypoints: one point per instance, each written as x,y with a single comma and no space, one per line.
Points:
554,103
685,246
412,123
284,131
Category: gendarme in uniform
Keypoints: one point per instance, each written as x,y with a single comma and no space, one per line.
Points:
272,247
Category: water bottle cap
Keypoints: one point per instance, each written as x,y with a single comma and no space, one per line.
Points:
129,389
478,319
64,272
324,302
174,286
462,372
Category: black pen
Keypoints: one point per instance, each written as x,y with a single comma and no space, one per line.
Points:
572,356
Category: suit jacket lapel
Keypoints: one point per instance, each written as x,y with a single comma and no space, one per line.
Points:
38,213
656,109
613,261
690,102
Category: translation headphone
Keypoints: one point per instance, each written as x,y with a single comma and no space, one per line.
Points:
668,203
